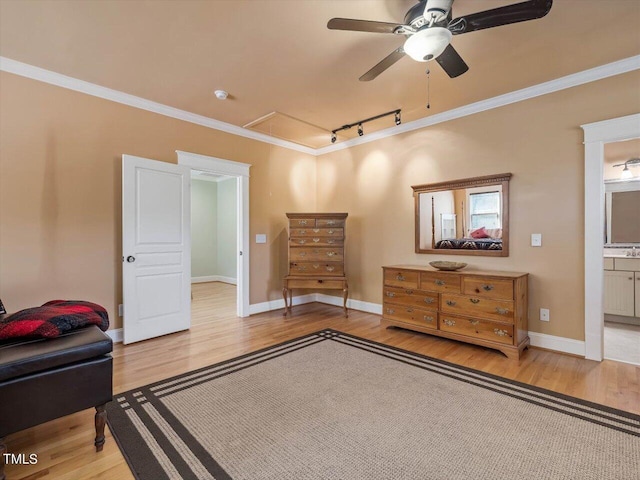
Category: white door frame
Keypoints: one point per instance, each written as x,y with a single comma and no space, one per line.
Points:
595,136
239,170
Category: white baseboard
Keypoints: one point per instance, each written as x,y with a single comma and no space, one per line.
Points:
115,334
368,307
214,278
559,344
277,304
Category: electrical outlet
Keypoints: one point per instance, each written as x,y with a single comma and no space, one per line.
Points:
120,310
544,314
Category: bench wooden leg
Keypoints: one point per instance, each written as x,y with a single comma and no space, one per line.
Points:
100,419
3,450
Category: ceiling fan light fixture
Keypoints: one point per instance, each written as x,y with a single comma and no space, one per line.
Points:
427,43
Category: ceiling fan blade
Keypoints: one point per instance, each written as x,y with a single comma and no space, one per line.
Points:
518,12
451,62
362,25
385,63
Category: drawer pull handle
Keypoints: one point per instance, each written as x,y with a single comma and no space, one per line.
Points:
409,292
427,318
302,268
331,254
390,311
331,222
474,300
500,332
316,266
451,323
400,277
409,310
487,288
316,230
474,322
391,294
502,311
302,242
451,303
330,232
316,240
331,242
330,269
303,254
428,300
302,222
439,282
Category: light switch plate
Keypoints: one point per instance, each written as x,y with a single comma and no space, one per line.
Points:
536,239
261,238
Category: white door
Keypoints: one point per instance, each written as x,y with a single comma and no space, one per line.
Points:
156,248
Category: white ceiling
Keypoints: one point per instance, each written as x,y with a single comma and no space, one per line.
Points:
278,55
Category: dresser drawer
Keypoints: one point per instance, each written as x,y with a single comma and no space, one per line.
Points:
496,332
315,283
488,288
401,278
302,222
316,242
316,268
409,297
330,222
438,282
500,310
319,254
317,232
417,316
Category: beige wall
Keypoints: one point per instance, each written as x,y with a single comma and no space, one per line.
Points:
538,140
60,192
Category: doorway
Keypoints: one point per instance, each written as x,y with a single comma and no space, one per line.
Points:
234,174
596,135
214,230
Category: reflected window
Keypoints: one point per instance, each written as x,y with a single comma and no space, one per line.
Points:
484,210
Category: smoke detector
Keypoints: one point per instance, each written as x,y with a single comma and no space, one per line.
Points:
221,94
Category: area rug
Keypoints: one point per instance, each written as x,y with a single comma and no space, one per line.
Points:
333,406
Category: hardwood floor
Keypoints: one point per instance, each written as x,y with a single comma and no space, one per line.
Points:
65,446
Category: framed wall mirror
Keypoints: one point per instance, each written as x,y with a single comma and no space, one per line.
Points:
463,217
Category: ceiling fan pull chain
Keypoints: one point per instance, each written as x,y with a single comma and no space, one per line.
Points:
428,89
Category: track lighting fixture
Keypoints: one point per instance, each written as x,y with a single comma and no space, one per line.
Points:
359,123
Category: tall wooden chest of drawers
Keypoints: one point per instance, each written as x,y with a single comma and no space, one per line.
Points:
316,254
481,307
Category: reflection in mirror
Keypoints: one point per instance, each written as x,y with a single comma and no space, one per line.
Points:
622,193
464,217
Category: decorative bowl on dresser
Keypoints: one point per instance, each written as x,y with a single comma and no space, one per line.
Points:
485,308
316,255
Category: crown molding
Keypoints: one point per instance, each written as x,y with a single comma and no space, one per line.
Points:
586,76
36,73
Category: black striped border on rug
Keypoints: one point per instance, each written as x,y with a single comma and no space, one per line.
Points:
166,449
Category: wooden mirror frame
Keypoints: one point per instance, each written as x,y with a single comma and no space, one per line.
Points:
501,179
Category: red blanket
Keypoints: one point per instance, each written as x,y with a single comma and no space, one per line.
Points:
53,319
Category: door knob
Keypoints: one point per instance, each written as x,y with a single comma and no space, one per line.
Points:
131,259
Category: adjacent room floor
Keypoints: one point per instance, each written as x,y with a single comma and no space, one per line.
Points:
622,342
212,301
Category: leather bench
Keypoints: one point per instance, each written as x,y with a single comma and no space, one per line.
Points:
44,379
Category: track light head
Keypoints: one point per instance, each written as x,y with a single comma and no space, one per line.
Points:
398,119
333,137
360,130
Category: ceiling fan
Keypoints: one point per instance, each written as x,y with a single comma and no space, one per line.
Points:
429,27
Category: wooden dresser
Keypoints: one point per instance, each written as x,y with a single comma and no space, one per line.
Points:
316,254
481,307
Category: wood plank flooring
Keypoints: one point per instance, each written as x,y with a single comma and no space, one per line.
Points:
65,446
